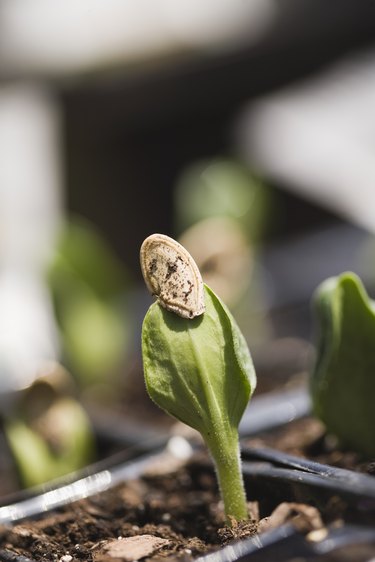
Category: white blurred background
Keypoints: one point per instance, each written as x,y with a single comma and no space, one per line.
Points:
106,107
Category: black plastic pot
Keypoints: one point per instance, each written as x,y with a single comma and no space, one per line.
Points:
285,544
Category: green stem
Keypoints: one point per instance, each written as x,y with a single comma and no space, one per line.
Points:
229,474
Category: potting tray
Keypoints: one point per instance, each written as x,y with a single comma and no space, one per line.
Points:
270,477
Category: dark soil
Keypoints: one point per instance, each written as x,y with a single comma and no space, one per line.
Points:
168,514
307,438
176,515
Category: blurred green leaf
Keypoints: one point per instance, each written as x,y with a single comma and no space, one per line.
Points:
343,377
95,335
89,286
83,254
221,188
39,462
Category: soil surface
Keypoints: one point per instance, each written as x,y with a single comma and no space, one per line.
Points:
175,515
162,515
169,514
307,438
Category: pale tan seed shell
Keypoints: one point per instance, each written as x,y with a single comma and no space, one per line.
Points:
172,275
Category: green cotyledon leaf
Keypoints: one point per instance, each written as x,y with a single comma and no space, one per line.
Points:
343,377
200,370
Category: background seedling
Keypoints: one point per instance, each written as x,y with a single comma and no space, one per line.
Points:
343,377
200,371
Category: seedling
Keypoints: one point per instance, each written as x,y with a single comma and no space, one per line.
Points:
343,377
49,434
197,364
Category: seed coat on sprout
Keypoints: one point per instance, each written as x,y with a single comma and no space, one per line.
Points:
172,275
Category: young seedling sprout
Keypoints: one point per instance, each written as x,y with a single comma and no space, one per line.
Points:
196,362
343,375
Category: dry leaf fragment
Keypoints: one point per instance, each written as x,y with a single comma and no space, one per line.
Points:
129,548
305,517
